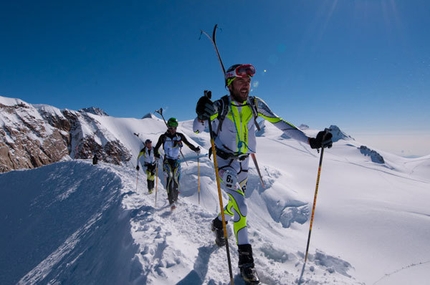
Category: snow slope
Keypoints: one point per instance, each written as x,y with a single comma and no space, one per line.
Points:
77,223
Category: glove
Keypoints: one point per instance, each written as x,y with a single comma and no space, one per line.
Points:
137,167
205,108
151,167
157,155
197,150
323,140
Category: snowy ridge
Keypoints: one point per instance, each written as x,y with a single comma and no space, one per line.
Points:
78,223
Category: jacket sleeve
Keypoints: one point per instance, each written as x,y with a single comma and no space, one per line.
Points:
159,143
198,126
184,139
142,152
289,129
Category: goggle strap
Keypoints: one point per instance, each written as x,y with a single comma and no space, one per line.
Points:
230,80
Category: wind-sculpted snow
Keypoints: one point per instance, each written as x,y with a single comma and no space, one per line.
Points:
64,225
282,204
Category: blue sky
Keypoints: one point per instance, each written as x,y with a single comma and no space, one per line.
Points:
363,65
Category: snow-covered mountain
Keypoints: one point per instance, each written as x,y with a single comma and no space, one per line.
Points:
72,222
36,135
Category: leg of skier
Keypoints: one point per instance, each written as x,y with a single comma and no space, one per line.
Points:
234,176
150,174
176,178
169,180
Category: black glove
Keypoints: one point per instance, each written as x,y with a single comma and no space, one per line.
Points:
197,149
323,140
137,167
157,155
205,108
150,167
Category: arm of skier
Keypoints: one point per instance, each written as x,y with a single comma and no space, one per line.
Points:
142,151
323,138
157,146
190,145
289,129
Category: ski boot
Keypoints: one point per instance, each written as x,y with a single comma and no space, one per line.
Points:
219,232
172,206
246,264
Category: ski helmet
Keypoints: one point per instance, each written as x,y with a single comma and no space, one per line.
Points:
148,141
238,70
172,123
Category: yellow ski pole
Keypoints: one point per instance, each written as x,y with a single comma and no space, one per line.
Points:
156,183
313,210
224,227
198,177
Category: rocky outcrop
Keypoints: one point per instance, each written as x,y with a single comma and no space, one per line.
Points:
99,142
338,134
374,155
36,135
94,110
27,140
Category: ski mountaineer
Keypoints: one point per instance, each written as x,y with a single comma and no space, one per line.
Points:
172,142
149,162
233,118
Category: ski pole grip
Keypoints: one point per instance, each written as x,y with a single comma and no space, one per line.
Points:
326,142
208,93
326,131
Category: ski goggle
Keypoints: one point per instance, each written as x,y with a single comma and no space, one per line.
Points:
242,71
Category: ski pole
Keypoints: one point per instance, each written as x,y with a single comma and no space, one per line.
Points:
254,158
198,177
156,183
213,40
224,227
313,210
137,178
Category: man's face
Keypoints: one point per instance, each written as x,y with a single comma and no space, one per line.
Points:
172,130
149,145
239,89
